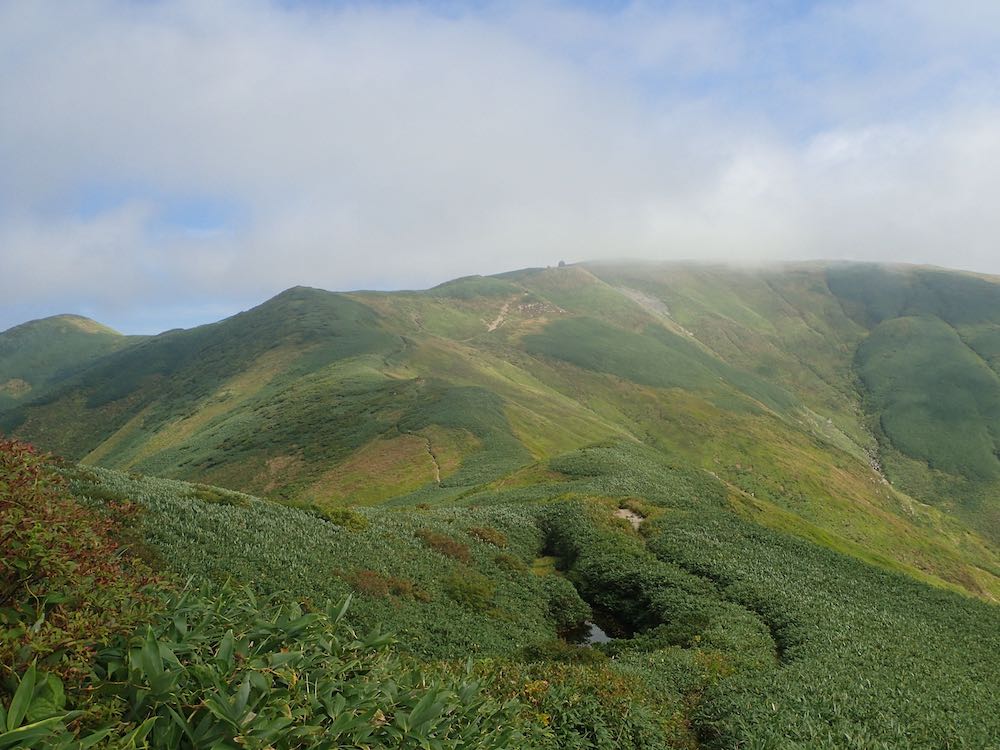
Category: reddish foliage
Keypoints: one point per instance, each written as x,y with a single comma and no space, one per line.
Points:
445,545
489,535
373,583
65,583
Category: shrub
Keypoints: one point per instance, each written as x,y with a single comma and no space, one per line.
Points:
373,583
561,651
565,606
489,535
217,495
348,518
445,545
64,583
225,669
470,589
511,562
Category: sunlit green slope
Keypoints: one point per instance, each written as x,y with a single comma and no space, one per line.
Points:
34,354
794,386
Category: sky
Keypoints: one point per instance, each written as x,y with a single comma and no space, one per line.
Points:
165,164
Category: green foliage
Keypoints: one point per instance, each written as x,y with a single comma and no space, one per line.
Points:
480,412
475,287
627,470
470,589
38,354
224,668
868,658
231,666
167,376
373,583
566,608
936,399
217,495
697,389
347,518
37,715
583,701
275,548
489,535
510,563
653,356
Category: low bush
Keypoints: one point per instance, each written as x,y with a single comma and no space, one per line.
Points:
445,545
470,589
348,518
218,495
227,670
566,608
511,563
66,584
489,535
373,583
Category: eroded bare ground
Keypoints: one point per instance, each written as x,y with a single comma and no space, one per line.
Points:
499,319
631,516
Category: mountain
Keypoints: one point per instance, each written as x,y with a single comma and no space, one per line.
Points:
40,352
603,505
854,405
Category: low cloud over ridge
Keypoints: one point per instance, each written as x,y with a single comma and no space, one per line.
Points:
169,162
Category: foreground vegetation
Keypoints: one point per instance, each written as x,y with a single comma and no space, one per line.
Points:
729,635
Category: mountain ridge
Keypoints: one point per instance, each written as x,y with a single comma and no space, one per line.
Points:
421,396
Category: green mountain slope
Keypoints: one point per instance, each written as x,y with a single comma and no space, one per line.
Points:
33,355
794,386
774,488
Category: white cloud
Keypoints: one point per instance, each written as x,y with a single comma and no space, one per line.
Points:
397,146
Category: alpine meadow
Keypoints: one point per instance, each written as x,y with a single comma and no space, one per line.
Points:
398,519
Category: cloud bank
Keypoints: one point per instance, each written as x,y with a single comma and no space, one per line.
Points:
168,162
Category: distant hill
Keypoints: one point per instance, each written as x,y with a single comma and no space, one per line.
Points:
39,352
854,405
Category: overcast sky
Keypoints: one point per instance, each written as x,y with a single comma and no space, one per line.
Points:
168,163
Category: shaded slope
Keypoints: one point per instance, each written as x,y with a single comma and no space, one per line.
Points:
930,378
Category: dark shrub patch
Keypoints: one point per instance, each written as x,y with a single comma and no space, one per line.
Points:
445,545
489,535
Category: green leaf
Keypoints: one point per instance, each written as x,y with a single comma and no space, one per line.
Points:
242,696
137,735
92,739
22,699
30,732
180,722
338,615
226,648
221,710
149,656
426,709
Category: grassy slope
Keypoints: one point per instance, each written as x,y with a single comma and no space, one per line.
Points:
743,637
36,354
929,370
423,397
